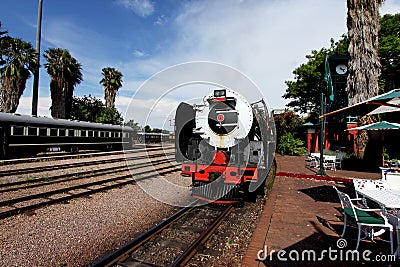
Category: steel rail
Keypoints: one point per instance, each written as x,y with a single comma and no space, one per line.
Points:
15,186
123,252
45,195
191,250
63,166
74,165
78,155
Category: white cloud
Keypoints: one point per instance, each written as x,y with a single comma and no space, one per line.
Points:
138,53
151,111
25,106
141,8
161,20
266,40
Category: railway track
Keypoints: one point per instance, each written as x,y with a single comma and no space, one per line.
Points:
78,184
172,242
61,166
64,156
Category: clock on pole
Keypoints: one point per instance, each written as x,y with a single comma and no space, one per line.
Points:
341,69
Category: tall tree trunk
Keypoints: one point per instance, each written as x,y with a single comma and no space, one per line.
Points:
364,64
11,92
58,98
110,98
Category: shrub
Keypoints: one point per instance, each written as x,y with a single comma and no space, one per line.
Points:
288,145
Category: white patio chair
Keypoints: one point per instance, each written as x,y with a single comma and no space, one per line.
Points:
338,161
369,218
310,161
330,162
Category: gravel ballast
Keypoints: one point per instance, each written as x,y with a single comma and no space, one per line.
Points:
78,233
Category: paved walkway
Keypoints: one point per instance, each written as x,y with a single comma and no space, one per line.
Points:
303,214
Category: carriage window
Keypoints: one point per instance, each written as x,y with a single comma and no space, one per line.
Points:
53,132
32,131
77,132
42,132
90,134
61,132
17,130
83,133
70,132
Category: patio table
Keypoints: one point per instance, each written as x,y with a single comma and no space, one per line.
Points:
388,199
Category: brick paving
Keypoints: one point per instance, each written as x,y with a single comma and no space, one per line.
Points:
304,214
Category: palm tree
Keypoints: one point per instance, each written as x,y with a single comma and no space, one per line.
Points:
364,64
20,59
112,81
65,73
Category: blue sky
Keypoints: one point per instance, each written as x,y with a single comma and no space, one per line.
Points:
265,40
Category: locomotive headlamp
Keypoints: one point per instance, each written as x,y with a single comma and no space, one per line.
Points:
220,93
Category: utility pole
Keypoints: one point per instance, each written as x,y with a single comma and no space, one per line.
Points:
35,92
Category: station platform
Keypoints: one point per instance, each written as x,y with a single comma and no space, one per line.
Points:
302,213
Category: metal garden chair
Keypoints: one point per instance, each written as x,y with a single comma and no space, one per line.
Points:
338,162
369,218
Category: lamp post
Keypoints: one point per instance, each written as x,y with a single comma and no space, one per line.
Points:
35,92
321,170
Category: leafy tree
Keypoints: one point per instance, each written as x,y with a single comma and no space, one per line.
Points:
364,64
147,129
286,122
112,81
305,89
19,60
65,73
134,125
88,108
110,116
389,51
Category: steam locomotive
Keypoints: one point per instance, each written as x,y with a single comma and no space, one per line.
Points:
225,145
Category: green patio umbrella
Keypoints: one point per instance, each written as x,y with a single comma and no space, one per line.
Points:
378,126
387,102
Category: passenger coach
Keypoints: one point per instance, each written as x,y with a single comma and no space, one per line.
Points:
29,135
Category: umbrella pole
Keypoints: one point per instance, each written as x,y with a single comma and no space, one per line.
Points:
383,149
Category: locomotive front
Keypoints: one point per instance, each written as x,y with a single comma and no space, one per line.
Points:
222,144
